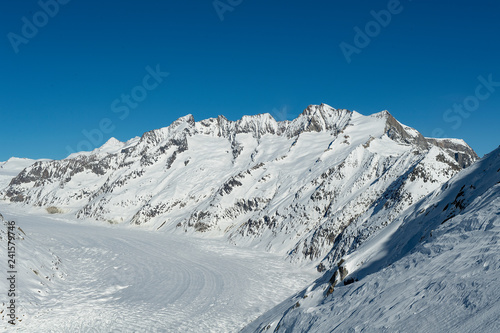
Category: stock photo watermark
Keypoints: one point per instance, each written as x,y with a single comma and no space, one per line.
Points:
11,272
460,111
121,106
30,27
372,29
223,6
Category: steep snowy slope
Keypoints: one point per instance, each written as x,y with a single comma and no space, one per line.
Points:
434,269
295,188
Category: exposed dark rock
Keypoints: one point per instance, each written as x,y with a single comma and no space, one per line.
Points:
349,281
395,131
463,154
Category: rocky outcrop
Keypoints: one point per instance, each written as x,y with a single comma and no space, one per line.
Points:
457,149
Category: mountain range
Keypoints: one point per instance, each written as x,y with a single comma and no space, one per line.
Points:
311,189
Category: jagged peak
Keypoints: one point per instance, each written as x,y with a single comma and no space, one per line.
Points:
321,109
456,148
157,135
113,141
181,123
220,118
189,118
400,132
315,118
111,146
382,114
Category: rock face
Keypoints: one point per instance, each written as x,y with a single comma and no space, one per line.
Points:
329,177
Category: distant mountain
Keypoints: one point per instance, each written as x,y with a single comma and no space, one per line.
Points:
11,168
317,185
434,269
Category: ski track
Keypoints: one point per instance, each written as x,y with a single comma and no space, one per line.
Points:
122,279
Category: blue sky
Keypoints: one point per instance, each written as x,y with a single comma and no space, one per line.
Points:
434,65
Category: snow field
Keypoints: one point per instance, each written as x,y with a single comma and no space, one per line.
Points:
121,279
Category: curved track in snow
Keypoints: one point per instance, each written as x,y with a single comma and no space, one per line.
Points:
123,279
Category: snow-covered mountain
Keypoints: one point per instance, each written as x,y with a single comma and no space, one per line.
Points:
434,269
297,188
12,167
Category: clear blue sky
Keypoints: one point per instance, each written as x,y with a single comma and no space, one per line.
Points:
264,56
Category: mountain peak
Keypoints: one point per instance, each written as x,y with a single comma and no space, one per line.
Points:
382,114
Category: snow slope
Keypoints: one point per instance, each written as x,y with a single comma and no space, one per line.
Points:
435,269
123,279
37,266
